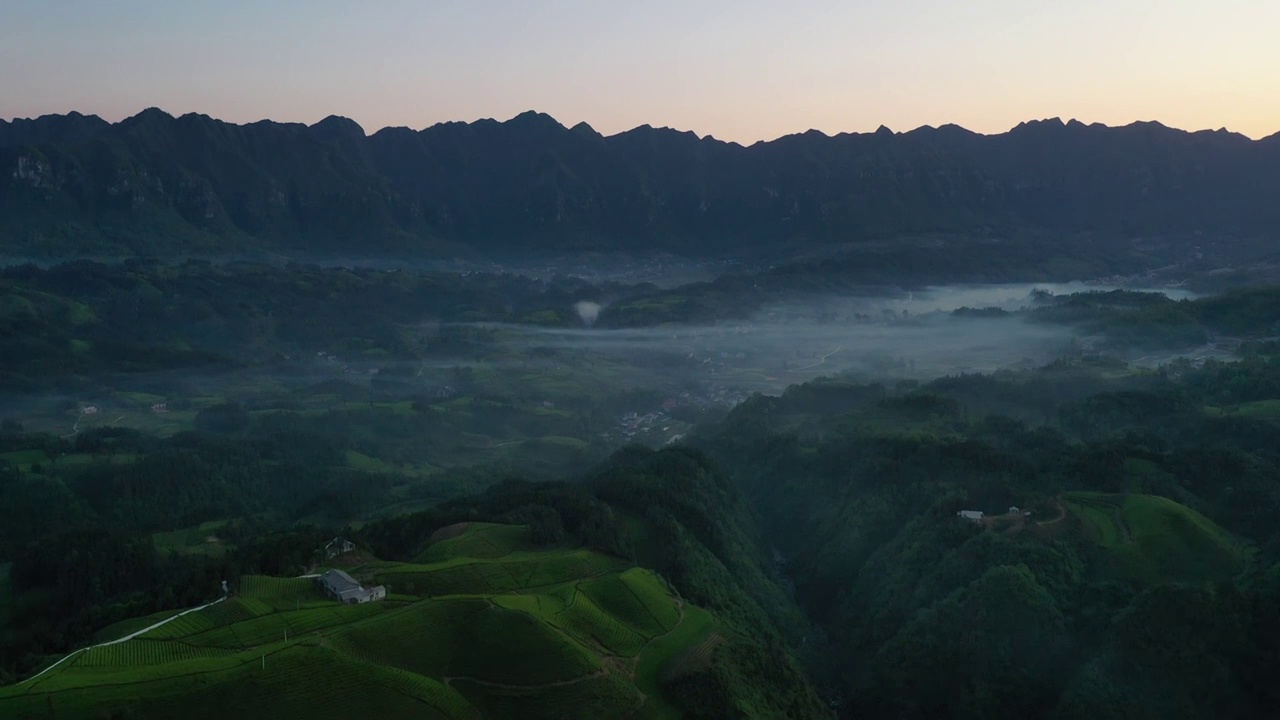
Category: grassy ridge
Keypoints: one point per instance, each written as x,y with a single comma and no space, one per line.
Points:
516,571
637,595
1153,539
550,634
479,540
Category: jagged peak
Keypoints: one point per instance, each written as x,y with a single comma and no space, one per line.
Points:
650,131
1223,134
1053,123
583,128
193,117
708,138
533,118
883,131
948,130
395,131
810,135
72,116
339,126
151,113
955,129
452,124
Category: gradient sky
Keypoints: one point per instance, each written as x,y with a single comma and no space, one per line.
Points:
743,70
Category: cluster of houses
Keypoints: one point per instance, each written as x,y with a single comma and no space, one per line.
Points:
339,585
633,423
978,516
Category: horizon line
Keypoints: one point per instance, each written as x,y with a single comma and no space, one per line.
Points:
1056,120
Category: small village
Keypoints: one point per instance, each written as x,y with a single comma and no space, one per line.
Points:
638,426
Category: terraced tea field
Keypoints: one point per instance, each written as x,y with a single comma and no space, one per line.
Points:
484,627
1153,539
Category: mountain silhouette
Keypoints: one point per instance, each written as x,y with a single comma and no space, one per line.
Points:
156,183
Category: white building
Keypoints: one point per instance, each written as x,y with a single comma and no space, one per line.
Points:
344,588
974,515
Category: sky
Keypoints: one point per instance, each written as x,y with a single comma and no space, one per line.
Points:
744,70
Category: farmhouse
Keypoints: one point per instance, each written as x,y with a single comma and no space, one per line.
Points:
338,546
344,588
974,515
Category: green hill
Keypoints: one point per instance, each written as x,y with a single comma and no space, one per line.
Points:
1154,539
489,629
477,540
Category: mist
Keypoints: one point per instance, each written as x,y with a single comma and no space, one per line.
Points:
588,311
909,335
913,335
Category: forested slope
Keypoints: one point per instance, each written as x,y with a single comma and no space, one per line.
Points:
1146,565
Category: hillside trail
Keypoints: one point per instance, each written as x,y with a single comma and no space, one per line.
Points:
1062,514
611,663
1125,536
131,636
448,680
75,428
635,662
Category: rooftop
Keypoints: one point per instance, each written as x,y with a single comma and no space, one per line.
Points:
339,581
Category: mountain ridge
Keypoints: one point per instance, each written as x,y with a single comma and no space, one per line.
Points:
156,183
1056,121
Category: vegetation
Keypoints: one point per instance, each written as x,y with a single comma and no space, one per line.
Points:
1125,479
1144,321
1150,539
798,556
556,650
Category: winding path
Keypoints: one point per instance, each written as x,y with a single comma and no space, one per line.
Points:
75,428
131,636
1062,514
449,679
821,361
